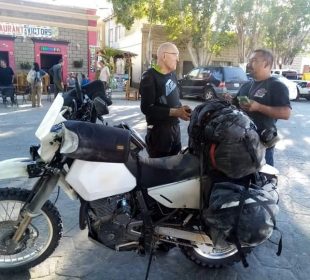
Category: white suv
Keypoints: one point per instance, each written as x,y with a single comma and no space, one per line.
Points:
287,73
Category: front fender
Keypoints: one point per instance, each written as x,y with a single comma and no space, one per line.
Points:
14,168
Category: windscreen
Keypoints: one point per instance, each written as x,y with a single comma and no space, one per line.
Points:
235,74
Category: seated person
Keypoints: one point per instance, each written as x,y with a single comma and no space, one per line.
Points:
71,81
85,80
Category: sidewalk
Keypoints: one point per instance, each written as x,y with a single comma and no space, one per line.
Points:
78,258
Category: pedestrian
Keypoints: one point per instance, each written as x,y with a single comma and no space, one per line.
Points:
56,72
6,81
267,98
160,103
85,80
71,81
104,75
34,77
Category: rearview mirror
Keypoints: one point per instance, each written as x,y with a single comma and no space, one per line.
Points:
101,106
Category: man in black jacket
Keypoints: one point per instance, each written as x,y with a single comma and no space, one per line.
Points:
6,81
56,73
161,104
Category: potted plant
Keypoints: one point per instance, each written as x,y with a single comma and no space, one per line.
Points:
25,65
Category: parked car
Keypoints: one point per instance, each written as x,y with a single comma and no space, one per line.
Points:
303,89
292,87
287,73
210,81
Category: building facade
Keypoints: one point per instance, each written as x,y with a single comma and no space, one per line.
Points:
136,40
35,32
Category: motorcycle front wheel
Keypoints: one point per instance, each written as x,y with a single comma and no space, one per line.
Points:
40,238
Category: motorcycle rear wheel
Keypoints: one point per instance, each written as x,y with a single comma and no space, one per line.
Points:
40,238
208,256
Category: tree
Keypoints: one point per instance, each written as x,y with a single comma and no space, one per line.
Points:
282,26
245,18
127,11
195,24
205,27
199,25
287,29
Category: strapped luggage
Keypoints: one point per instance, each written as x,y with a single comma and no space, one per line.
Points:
226,137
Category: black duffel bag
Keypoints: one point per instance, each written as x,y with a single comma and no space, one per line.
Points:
95,142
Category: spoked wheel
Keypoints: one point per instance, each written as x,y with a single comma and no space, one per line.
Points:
40,238
208,94
209,256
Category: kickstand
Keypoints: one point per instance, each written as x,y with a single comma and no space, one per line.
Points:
149,264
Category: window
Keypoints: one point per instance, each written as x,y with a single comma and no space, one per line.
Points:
110,37
117,33
216,72
221,63
193,74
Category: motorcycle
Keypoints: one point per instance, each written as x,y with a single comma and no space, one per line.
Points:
127,202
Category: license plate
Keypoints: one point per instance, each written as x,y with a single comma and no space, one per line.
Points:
236,85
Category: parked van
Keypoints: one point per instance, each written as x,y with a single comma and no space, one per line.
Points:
287,73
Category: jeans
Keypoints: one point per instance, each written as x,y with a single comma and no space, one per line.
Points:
269,156
163,140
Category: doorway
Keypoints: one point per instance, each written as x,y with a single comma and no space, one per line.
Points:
4,56
47,61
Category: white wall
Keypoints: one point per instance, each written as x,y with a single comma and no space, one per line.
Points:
127,41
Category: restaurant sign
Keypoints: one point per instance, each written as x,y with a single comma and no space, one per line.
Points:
50,49
27,30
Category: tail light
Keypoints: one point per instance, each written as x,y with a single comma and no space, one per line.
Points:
222,85
308,85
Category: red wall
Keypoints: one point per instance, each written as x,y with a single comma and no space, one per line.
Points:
8,46
63,52
92,41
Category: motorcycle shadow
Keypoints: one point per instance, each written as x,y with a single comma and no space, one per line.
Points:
16,276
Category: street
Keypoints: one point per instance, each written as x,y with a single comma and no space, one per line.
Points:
79,258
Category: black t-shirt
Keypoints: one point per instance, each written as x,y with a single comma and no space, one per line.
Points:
270,92
159,92
6,76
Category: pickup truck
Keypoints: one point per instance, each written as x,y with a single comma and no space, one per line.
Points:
303,88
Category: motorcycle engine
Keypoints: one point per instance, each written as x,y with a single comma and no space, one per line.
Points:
110,223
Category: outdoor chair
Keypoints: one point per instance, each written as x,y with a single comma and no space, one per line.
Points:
8,95
50,92
26,94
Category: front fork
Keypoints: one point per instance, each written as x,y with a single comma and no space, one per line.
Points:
32,209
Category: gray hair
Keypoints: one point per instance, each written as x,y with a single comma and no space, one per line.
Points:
165,47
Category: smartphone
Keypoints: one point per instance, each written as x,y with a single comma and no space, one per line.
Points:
243,99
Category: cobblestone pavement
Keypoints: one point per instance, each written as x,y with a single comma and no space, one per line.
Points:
78,258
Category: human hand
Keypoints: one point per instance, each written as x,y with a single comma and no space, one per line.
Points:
228,97
250,106
183,112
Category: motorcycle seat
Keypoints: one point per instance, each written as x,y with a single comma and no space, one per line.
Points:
161,171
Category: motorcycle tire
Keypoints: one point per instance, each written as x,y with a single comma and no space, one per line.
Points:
40,238
207,256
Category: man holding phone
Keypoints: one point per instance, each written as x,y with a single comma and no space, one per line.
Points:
265,98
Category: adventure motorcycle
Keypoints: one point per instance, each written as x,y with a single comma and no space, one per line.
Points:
128,202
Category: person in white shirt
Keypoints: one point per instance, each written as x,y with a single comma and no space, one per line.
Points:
104,73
